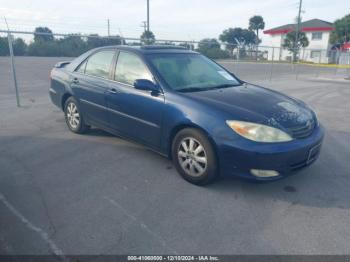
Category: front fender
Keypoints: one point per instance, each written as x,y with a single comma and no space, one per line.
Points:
181,112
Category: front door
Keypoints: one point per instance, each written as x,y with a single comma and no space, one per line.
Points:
135,113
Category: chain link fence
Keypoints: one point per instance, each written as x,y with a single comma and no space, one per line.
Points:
260,63
27,58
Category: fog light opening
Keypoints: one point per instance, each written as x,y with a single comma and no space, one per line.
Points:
264,173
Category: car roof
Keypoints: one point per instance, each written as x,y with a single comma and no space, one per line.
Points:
151,49
142,50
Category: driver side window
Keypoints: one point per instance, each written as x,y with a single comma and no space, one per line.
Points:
129,68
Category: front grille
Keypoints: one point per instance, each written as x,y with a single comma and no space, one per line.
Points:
302,131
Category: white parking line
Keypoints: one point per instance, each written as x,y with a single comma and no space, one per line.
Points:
45,237
143,225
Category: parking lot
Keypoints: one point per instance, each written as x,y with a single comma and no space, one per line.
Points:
62,193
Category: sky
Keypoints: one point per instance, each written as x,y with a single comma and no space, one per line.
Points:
169,19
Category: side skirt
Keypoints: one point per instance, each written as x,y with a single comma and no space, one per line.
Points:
127,138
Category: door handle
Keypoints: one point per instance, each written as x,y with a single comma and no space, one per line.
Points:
113,91
75,80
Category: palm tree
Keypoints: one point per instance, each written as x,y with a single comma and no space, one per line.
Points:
255,24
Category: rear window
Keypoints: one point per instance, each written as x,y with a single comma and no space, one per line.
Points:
99,64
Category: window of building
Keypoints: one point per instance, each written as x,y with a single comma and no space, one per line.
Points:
315,54
99,64
129,68
316,36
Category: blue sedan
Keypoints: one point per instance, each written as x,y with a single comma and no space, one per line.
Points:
188,108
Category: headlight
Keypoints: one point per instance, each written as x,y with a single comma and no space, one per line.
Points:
257,132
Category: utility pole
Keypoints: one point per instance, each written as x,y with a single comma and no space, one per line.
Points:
147,15
297,32
108,28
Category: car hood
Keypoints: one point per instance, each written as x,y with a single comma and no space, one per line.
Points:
257,104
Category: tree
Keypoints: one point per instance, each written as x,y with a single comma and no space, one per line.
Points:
341,34
45,38
208,43
210,47
18,44
19,47
216,53
249,38
114,40
71,46
147,38
294,46
43,48
255,24
4,46
96,41
230,37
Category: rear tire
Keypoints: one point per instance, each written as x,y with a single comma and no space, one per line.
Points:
194,157
73,116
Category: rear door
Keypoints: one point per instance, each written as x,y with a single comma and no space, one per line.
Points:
90,82
135,113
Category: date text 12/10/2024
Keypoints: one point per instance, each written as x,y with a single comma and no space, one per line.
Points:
173,258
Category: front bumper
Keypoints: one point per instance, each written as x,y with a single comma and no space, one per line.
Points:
239,156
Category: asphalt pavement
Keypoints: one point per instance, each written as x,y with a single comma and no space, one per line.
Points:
62,193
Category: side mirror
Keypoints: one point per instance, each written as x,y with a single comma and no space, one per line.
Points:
144,84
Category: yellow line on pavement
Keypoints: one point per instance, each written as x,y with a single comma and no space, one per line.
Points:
325,65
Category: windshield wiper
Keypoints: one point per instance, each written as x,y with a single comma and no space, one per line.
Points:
223,86
198,89
191,89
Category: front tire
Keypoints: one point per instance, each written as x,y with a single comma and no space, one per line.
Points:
73,116
194,157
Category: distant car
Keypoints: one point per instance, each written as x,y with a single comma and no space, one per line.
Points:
188,108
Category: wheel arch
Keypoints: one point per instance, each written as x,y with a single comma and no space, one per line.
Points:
64,99
182,126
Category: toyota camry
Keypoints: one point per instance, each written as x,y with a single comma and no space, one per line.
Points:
186,107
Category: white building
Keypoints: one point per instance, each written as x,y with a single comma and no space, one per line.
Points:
317,32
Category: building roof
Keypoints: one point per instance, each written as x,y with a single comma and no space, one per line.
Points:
313,25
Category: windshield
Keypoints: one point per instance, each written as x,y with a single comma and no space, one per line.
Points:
191,72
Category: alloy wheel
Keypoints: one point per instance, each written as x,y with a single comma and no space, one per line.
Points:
192,157
73,115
